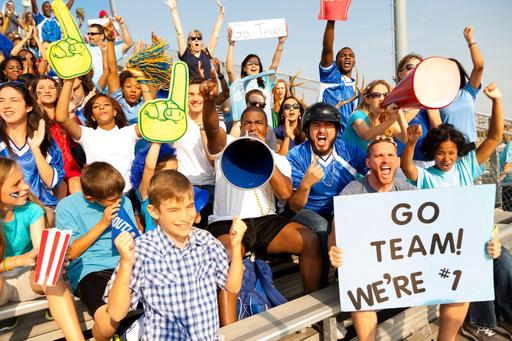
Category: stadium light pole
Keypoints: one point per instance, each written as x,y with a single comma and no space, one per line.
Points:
113,9
400,29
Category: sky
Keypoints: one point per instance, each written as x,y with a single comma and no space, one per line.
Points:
434,28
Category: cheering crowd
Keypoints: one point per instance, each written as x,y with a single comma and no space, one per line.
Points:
73,157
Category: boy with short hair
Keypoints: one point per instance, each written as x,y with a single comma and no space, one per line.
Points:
89,215
174,270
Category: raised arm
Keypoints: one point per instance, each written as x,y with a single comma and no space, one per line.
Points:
180,36
224,95
70,4
43,167
476,57
216,135
230,57
327,44
62,111
495,133
277,55
212,43
127,37
149,169
102,81
408,167
113,77
35,9
369,133
434,118
20,44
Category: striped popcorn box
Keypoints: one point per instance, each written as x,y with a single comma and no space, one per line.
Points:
52,251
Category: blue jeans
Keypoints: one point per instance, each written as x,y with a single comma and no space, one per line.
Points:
322,227
486,314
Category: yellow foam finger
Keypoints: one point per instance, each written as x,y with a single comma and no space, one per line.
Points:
178,91
68,57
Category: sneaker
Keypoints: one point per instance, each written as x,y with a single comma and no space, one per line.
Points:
505,328
481,333
48,315
8,324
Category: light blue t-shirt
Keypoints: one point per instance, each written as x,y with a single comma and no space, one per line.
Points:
463,173
132,113
77,214
351,136
506,157
17,231
461,112
148,219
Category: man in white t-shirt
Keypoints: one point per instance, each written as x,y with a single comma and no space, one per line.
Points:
267,232
96,36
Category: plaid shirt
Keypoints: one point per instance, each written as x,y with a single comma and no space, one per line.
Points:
178,287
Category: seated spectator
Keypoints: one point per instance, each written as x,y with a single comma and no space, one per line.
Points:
10,69
267,232
89,215
198,263
289,130
23,221
193,51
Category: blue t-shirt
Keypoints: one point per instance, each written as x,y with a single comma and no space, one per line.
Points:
77,214
17,231
340,168
506,157
25,159
148,219
461,112
338,87
463,173
351,136
132,113
48,28
422,120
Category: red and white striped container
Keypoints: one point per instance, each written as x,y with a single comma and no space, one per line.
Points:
52,251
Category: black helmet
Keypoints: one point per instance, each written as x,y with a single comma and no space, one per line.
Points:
322,112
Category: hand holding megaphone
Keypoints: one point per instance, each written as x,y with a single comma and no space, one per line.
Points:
165,120
68,57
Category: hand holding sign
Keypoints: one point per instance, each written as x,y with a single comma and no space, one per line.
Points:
68,57
165,120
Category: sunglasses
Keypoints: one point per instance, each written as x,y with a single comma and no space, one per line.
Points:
93,33
382,138
290,106
409,67
195,38
257,104
377,94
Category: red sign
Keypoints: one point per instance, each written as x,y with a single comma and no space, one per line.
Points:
334,9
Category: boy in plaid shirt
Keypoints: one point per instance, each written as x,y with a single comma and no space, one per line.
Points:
174,270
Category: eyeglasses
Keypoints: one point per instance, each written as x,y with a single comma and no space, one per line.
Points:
377,94
409,67
251,63
195,38
258,104
93,33
290,106
382,138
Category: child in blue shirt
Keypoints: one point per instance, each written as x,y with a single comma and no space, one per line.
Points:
89,215
23,220
444,145
176,269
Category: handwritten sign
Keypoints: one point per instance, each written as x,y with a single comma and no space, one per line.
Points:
165,120
68,57
415,248
257,29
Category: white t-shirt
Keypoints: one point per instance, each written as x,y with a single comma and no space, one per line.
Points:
192,160
230,201
116,146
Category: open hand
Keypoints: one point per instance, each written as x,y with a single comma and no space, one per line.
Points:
38,137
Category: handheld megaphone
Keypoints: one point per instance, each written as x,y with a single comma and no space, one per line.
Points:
433,84
247,163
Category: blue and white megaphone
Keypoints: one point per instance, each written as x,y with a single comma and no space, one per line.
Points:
247,163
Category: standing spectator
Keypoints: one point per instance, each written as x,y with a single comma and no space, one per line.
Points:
279,93
47,25
336,75
193,51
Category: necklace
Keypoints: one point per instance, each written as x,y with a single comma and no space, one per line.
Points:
328,185
269,197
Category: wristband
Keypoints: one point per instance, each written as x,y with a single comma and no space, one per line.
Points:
472,43
221,77
4,265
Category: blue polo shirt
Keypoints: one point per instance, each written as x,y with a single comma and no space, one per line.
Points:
340,168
